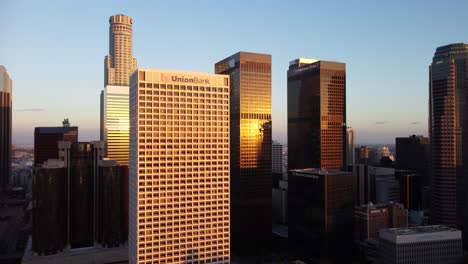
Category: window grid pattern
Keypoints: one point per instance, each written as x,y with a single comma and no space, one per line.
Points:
180,172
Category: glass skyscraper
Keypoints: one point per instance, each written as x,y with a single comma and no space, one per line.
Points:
251,143
316,114
114,122
5,127
448,126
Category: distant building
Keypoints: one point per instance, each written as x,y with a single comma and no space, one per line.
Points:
277,157
349,146
320,214
413,154
46,141
6,99
251,150
364,184
448,126
277,163
387,187
421,245
365,155
316,114
369,220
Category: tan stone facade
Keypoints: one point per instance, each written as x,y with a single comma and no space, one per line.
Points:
119,64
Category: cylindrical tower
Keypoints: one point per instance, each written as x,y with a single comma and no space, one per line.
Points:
119,64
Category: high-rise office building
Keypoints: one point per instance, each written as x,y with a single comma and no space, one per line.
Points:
119,64
6,95
115,122
320,214
448,123
250,145
179,167
349,146
316,114
413,154
46,141
421,245
277,157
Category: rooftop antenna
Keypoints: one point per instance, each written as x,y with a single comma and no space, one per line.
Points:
66,123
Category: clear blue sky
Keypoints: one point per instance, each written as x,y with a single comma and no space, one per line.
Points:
54,51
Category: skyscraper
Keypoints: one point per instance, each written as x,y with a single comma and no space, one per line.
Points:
46,141
413,153
6,95
119,64
115,122
251,142
448,123
179,167
349,146
320,214
316,114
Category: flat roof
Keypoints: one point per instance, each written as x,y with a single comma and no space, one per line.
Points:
419,234
315,171
55,130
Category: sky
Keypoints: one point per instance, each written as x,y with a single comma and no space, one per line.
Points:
54,52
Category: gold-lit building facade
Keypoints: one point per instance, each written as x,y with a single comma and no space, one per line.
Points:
115,122
179,167
251,156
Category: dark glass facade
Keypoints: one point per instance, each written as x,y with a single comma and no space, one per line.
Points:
316,115
46,141
250,145
81,195
320,214
5,127
413,154
111,195
448,123
49,230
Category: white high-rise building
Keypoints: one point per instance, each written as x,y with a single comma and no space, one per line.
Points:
179,167
277,157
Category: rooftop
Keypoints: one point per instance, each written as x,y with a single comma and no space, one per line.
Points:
315,171
420,234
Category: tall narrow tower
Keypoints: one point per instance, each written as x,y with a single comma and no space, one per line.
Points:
114,97
448,123
5,127
250,104
119,64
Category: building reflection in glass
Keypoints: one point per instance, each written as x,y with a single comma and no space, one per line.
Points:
250,144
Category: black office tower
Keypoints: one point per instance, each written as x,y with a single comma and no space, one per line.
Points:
6,98
316,114
448,132
49,230
250,147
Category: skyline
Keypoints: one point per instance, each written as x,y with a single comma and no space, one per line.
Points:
69,52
